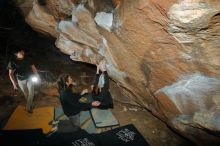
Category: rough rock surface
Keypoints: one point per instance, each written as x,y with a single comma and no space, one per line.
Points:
60,9
116,2
164,55
40,20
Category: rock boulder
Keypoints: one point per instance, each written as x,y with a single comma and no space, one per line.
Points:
163,55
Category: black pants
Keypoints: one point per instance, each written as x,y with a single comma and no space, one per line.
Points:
75,121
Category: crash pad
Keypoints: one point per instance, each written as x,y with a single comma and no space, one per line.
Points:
103,118
86,122
21,119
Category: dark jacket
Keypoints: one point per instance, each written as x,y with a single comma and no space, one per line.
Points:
70,103
104,97
22,67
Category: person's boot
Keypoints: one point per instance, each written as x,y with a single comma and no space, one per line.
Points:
52,131
30,111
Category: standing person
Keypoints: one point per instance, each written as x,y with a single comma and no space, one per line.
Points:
100,88
70,101
20,70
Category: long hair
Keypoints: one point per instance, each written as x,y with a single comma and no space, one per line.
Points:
61,82
96,90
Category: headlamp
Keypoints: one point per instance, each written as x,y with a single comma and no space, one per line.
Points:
34,79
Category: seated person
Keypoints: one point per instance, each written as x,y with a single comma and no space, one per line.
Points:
100,88
70,101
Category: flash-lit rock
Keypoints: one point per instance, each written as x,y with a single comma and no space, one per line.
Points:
104,20
164,55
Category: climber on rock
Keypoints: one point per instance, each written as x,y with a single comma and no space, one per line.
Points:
100,88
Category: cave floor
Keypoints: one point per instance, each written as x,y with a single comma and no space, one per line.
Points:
155,131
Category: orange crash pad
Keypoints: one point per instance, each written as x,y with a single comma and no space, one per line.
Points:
20,119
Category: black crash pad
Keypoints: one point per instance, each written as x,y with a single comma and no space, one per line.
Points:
79,138
124,136
32,137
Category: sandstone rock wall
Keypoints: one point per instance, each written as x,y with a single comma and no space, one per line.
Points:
40,20
60,8
163,55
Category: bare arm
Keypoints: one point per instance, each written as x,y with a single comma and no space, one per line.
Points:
34,69
12,78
